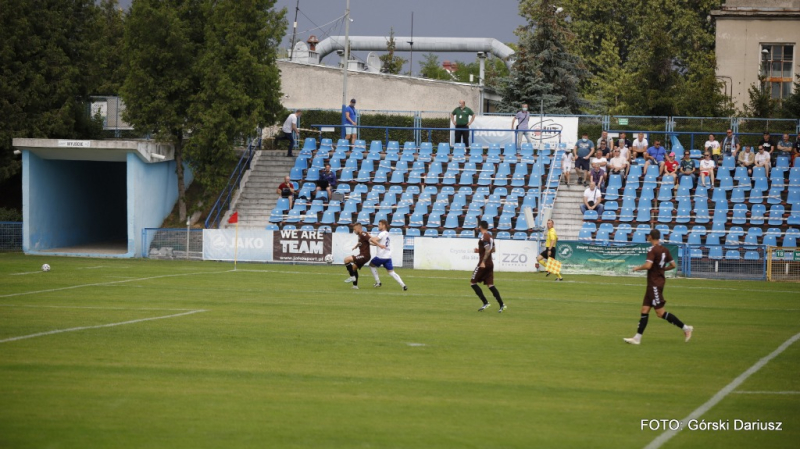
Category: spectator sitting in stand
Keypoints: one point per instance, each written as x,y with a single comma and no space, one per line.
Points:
623,145
785,147
707,170
639,148
747,159
286,190
769,147
619,163
598,175
712,146
327,181
592,199
762,159
608,140
603,149
671,168
655,155
687,167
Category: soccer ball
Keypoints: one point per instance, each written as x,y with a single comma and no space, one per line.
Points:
329,258
45,267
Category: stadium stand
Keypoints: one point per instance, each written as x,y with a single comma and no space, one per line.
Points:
430,190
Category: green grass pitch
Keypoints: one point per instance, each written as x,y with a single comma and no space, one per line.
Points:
280,356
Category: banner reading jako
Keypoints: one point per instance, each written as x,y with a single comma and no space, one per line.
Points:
300,246
582,258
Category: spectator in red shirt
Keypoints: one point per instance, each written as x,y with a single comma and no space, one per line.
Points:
286,190
671,167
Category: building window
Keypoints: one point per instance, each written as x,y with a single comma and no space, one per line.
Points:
776,66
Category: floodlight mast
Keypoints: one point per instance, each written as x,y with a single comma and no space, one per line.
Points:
294,31
346,62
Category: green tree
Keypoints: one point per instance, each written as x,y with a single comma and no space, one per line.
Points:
545,70
761,104
663,51
391,63
46,61
790,108
108,49
431,68
199,74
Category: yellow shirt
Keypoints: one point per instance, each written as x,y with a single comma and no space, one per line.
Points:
551,237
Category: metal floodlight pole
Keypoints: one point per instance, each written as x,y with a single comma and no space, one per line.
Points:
294,30
346,61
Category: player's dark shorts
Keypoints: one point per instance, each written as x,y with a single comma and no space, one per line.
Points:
546,253
360,260
582,163
654,297
485,275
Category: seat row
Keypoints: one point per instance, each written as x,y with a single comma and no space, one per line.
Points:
699,235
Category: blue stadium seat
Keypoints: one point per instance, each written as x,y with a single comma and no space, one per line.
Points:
585,234
626,214
715,252
665,210
590,215
732,254
273,227
467,234
677,234
503,235
739,214
790,238
776,215
752,255
609,215
756,196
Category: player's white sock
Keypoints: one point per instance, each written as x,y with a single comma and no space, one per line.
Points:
397,278
375,274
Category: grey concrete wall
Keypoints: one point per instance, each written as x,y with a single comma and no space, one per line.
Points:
313,86
738,49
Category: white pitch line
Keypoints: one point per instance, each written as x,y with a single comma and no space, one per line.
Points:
700,411
45,306
766,392
99,284
27,272
72,329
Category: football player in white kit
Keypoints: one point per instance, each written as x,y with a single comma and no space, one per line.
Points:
384,255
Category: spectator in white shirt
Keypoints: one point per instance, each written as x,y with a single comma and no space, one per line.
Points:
609,141
639,148
712,146
623,144
592,199
567,164
618,165
763,159
707,169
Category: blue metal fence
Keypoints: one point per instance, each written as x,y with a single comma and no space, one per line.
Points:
10,236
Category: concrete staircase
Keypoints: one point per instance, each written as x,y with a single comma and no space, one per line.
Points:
567,214
257,192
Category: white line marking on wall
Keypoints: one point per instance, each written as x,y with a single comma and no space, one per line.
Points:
700,411
100,284
73,329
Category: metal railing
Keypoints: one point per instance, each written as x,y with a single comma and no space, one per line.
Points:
224,199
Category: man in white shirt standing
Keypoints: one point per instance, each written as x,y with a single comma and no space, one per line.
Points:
639,147
384,255
289,130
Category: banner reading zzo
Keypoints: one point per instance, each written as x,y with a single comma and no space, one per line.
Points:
300,246
458,254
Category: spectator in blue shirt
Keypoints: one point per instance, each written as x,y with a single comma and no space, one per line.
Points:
584,148
351,118
327,180
655,155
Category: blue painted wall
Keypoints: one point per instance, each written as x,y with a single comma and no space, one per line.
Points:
69,203
155,192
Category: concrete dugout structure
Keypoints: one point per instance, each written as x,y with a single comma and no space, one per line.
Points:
93,197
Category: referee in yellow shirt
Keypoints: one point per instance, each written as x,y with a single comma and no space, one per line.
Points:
550,247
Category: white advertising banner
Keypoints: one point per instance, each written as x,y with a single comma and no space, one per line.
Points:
551,125
255,245
343,246
458,254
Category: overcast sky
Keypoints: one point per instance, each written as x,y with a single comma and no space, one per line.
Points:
432,18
